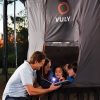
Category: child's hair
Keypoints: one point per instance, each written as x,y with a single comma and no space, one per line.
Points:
46,61
45,64
73,66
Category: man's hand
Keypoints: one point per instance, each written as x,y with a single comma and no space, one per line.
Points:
38,91
53,87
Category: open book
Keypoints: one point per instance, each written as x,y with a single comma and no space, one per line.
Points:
65,82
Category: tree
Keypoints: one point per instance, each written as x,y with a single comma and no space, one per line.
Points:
22,41
22,36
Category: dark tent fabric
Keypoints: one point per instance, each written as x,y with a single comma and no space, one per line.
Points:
59,27
59,24
88,18
50,21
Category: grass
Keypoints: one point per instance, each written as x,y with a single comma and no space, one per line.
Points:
2,85
0,70
3,81
10,70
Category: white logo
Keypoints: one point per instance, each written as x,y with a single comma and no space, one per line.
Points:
62,19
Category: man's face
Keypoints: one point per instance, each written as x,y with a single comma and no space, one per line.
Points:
40,64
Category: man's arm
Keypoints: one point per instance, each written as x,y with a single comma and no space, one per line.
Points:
37,91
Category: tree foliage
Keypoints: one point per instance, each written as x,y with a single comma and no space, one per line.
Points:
21,40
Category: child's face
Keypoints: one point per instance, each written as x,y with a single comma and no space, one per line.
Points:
71,72
58,73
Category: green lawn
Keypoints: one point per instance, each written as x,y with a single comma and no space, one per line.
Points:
10,70
0,70
2,84
2,80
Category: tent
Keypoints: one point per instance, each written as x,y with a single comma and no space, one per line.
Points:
48,21
88,17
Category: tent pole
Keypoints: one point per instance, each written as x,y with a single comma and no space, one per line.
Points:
15,35
5,32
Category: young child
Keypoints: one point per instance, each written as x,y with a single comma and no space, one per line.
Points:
71,71
59,73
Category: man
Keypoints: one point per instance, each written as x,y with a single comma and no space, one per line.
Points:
21,82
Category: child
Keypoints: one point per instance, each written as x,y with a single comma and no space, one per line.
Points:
59,73
71,72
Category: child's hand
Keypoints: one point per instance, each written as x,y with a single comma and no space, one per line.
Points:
61,79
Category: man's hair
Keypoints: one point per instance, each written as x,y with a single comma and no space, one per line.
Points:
36,56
